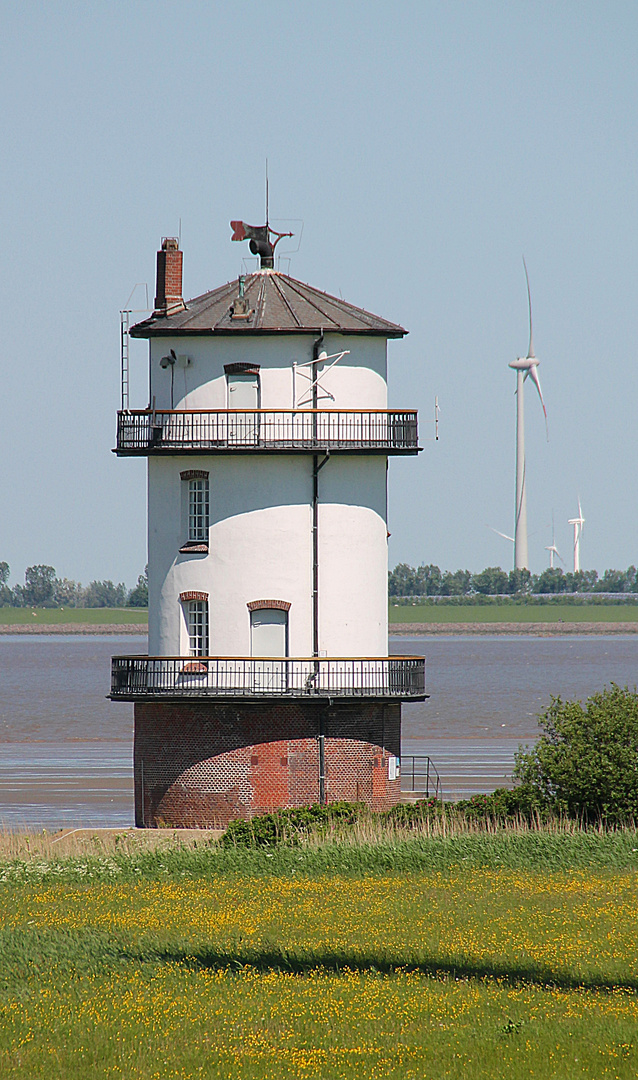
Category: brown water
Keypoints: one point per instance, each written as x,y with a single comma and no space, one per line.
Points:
66,751
487,691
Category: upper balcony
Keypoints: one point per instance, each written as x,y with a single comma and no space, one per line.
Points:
176,431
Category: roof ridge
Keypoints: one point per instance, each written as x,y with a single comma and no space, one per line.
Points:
340,302
292,282
285,300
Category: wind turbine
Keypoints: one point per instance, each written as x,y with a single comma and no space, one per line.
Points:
524,367
553,550
578,529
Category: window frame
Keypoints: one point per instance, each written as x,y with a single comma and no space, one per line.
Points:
195,512
198,510
197,627
255,606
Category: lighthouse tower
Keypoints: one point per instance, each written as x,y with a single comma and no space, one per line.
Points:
268,682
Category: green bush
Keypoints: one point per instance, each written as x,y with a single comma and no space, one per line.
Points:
415,813
585,764
290,826
502,804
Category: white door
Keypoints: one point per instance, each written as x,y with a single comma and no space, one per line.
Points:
269,638
243,394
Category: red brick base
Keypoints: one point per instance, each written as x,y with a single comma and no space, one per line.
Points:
201,765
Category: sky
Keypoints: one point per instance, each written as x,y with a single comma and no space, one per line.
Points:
426,147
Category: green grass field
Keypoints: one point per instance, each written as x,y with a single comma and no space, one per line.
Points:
506,956
443,613
10,616
495,613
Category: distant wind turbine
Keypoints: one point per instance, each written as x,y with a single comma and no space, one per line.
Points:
553,550
578,530
524,367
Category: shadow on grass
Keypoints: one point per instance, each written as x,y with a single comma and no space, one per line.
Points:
434,967
35,952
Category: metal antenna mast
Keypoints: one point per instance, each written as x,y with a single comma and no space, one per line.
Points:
125,320
267,218
125,324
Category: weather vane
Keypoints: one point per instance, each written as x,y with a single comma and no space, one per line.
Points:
260,236
261,240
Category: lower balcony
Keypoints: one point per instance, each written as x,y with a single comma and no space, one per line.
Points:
175,431
173,678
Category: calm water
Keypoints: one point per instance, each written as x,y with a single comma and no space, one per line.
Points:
486,694
66,751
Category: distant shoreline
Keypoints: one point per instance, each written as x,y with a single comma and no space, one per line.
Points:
139,629
530,629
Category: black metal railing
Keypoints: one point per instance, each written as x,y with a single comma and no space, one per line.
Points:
419,776
179,431
139,677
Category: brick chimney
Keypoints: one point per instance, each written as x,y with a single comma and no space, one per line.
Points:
168,290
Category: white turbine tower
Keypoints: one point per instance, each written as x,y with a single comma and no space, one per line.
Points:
578,529
524,367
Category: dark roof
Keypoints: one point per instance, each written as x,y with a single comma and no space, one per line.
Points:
276,303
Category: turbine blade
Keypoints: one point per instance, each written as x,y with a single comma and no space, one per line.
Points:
533,374
504,535
530,348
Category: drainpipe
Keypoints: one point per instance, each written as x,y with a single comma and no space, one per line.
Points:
315,499
321,739
316,468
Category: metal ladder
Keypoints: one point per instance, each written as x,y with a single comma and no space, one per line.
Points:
125,322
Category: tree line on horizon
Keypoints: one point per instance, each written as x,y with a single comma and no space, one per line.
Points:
429,580
43,588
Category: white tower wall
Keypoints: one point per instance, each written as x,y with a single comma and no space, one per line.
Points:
260,548
357,381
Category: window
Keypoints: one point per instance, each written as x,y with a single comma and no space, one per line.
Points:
243,400
198,511
195,511
269,627
197,622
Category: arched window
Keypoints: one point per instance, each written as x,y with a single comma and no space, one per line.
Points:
197,508
269,627
195,606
